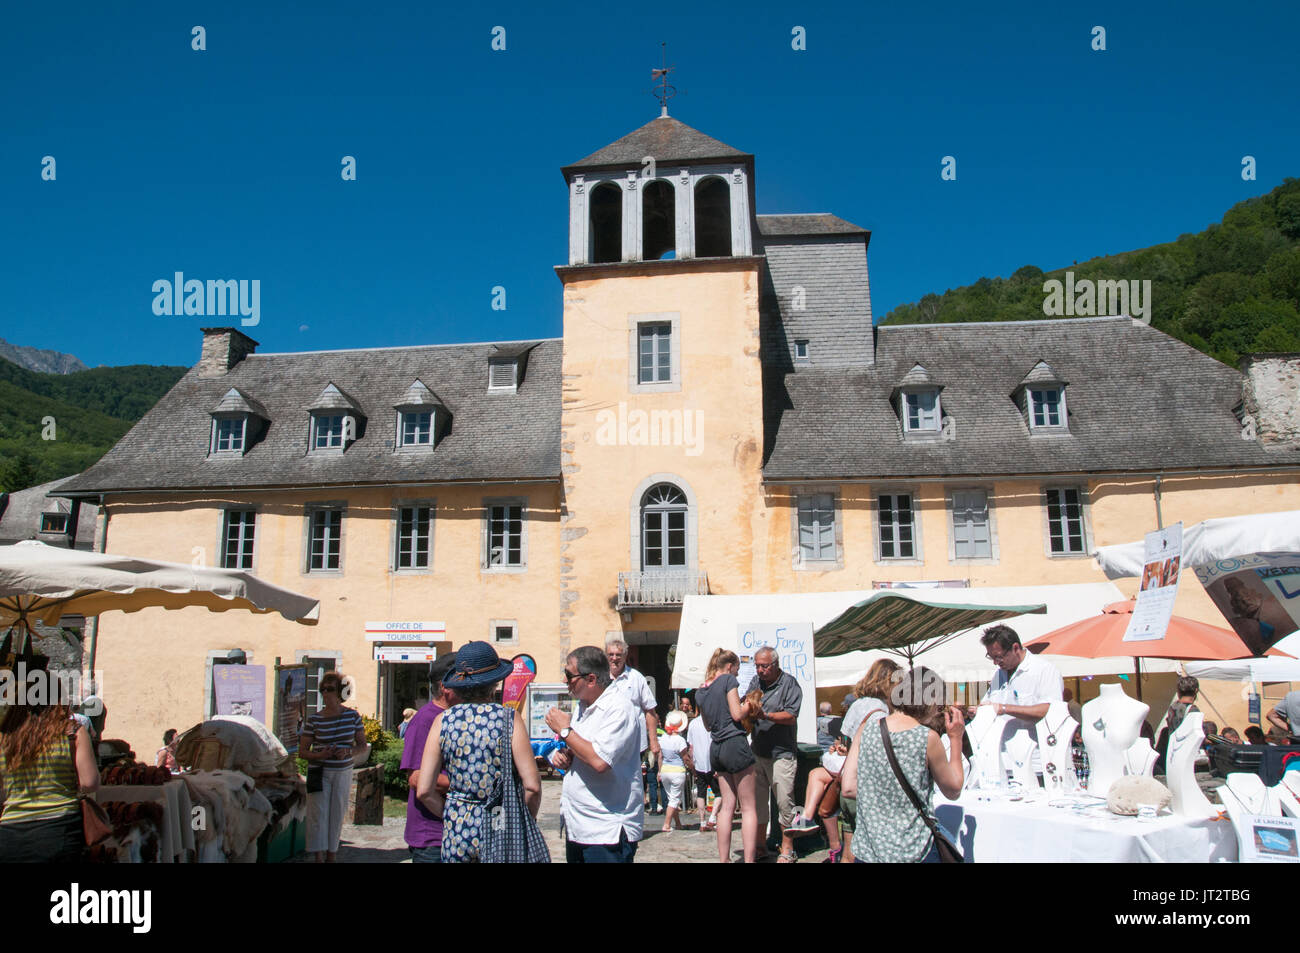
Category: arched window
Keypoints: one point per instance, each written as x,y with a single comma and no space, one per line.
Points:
658,221
712,218
606,223
663,528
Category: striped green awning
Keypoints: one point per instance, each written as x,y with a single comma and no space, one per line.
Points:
894,621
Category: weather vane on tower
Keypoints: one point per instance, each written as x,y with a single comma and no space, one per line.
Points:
663,92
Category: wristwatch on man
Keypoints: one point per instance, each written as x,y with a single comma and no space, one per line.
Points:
564,732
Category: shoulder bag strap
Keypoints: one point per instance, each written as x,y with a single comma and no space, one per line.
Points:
902,780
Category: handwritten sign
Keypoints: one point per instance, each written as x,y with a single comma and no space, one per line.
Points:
793,643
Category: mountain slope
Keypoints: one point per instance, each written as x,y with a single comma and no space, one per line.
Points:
44,362
1229,290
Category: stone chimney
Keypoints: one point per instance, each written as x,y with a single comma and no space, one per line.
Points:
1271,398
223,348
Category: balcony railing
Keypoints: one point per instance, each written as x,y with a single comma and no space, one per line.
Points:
659,590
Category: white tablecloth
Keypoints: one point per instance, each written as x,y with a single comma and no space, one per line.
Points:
1001,830
177,834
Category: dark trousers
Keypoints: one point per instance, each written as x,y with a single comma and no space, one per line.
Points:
425,855
621,853
56,841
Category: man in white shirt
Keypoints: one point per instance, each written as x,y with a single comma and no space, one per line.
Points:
700,743
633,685
1024,685
604,812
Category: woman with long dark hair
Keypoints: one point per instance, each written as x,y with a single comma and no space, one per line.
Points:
46,761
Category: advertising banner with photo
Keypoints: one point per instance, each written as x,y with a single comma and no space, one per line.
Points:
793,643
290,704
516,686
240,690
1258,594
1160,571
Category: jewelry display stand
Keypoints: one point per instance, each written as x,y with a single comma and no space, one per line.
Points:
1111,723
1020,750
1180,769
1055,736
985,731
1140,758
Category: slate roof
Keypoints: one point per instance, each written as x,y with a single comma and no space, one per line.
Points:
20,515
1137,399
819,223
668,140
493,436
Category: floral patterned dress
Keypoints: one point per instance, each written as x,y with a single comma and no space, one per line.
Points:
471,742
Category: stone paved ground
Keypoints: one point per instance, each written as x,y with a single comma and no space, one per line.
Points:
384,845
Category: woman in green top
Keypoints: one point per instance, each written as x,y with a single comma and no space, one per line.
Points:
46,758
889,829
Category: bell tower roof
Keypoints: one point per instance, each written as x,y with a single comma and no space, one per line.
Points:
668,140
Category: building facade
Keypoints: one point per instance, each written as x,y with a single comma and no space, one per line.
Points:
720,416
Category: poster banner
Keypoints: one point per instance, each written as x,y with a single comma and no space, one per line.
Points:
1258,594
290,704
516,686
240,690
793,642
1160,571
541,699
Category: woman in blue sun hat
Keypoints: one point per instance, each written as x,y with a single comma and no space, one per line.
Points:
467,741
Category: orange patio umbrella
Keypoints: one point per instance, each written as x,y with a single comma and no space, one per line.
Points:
1103,637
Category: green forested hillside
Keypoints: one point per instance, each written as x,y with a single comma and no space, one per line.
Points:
54,425
1229,290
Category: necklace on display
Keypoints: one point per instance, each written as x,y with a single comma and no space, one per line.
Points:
987,732
1051,732
1100,725
1128,762
1182,735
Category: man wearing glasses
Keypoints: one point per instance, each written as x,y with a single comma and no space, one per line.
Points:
1024,685
604,812
775,748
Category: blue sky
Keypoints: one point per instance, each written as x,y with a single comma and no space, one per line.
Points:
225,163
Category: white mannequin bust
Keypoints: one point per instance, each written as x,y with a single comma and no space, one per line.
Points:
1055,732
1111,723
1140,758
985,731
1020,749
1180,769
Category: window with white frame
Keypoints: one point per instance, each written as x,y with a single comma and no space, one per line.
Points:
1046,408
416,428
663,528
237,537
817,528
801,350
896,522
228,434
504,536
325,538
317,666
1065,529
921,411
971,534
414,537
328,431
655,358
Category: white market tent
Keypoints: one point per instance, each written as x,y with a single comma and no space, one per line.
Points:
711,622
1212,540
1253,669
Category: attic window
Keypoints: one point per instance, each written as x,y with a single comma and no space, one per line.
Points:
801,350
416,429
921,412
228,434
503,374
329,431
1046,408
54,523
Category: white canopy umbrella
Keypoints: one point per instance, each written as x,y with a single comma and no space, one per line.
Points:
1212,540
45,583
710,622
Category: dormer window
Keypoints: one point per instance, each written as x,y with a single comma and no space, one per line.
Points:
336,421
329,431
503,374
236,424
55,523
416,429
921,411
421,416
1046,408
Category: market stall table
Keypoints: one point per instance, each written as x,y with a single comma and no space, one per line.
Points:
176,832
994,829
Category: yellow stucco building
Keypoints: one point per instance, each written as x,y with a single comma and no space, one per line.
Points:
721,416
